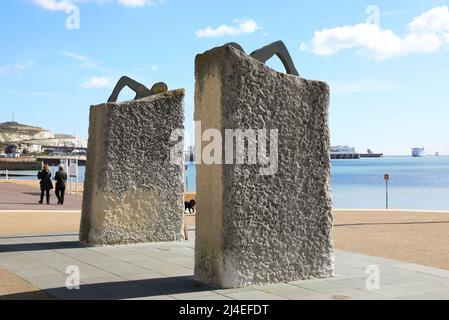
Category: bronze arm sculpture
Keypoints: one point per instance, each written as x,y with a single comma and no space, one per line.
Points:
266,53
277,48
140,90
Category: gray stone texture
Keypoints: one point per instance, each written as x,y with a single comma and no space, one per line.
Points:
254,229
132,192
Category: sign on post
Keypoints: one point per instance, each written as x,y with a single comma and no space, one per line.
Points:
73,173
386,178
71,166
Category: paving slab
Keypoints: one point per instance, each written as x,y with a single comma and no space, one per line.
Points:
254,295
163,271
289,291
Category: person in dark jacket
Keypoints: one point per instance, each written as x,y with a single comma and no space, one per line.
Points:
61,181
46,185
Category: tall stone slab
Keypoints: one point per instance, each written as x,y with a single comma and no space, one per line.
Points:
133,190
255,229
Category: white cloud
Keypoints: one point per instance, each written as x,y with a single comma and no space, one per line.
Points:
22,66
243,27
138,3
75,56
53,5
4,70
154,67
16,67
427,33
82,59
63,5
97,83
434,21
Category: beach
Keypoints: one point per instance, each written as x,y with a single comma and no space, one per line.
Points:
408,236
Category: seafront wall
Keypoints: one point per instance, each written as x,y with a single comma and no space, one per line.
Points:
20,164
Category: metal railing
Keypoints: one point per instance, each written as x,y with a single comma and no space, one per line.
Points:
12,174
5,173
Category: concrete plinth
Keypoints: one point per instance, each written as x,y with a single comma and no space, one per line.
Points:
254,228
133,190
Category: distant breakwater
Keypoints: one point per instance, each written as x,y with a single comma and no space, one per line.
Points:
20,164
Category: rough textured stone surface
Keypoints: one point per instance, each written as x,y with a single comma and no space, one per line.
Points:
132,192
254,229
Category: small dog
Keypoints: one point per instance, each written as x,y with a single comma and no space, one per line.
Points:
190,206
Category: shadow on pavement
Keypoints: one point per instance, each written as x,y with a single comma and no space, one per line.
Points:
125,289
19,247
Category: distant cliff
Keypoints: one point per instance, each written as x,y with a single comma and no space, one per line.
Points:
16,133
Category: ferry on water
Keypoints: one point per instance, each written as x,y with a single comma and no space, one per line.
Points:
370,154
344,152
418,152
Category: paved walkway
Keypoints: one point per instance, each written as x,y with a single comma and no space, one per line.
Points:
165,271
20,197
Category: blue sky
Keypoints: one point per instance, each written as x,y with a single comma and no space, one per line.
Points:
389,80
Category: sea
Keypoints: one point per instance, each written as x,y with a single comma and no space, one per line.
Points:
415,183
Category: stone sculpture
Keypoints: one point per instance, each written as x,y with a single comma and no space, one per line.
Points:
254,229
133,191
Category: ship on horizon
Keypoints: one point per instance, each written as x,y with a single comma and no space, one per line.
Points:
370,154
418,152
344,152
347,152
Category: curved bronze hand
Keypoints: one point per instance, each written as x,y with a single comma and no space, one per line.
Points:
264,54
276,48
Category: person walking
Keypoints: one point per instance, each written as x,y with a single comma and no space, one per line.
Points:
46,185
61,181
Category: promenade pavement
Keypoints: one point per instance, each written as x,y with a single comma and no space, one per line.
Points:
165,271
20,197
